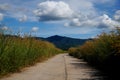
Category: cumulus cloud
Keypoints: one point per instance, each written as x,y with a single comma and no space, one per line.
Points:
35,29
84,6
53,10
4,7
75,22
107,22
1,16
23,18
5,28
17,11
117,15
103,21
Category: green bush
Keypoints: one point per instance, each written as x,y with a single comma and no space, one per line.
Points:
100,49
17,52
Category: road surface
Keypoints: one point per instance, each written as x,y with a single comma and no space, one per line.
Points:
60,67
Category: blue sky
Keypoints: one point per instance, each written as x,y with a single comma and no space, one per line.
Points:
72,18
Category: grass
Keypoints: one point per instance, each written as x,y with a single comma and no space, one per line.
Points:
17,52
102,52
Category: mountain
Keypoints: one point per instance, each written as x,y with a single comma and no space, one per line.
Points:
63,42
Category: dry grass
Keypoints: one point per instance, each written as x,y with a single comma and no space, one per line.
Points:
99,50
17,52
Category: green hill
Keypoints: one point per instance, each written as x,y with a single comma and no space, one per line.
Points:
63,42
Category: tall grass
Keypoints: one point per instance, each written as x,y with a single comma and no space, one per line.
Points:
103,51
17,52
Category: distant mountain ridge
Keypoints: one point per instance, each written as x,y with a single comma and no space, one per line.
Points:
63,42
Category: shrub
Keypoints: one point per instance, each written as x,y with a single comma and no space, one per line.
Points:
17,52
101,51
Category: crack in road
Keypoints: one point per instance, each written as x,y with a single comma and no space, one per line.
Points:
60,67
66,74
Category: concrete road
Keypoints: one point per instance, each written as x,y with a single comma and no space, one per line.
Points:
60,67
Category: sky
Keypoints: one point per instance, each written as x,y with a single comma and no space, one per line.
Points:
72,18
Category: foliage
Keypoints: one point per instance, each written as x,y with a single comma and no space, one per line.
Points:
102,51
17,52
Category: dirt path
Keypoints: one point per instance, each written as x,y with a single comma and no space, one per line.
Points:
60,67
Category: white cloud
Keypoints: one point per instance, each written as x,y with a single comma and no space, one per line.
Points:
66,24
53,10
35,29
103,21
85,7
117,15
15,11
107,22
1,16
23,18
4,7
75,22
57,8
4,28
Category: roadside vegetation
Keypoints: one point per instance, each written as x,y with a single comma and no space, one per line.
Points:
102,52
17,52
